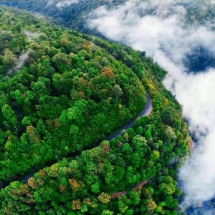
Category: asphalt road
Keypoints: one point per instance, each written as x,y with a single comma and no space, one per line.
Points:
145,112
27,177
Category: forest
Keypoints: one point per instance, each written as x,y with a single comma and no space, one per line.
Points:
66,84
62,93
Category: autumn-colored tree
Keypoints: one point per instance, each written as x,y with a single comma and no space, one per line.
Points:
76,205
151,205
104,198
107,72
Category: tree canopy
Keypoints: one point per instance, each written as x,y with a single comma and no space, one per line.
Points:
62,93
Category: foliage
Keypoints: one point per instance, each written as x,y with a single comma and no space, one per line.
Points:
90,182
72,91
63,99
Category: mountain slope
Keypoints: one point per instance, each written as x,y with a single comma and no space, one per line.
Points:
78,15
55,82
62,92
68,13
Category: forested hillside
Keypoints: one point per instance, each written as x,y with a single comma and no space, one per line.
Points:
55,83
72,15
63,92
75,15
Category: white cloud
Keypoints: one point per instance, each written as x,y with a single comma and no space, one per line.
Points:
39,16
62,4
22,59
161,33
50,2
31,35
20,62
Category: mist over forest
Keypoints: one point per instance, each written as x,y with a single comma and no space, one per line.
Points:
178,35
182,43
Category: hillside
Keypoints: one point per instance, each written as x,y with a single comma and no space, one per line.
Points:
72,15
75,15
55,82
63,92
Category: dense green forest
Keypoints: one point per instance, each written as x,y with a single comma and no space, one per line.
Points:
67,85
61,94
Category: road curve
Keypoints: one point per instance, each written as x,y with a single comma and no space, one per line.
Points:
27,177
136,188
145,112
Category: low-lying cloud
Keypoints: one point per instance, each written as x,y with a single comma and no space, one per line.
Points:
61,4
20,62
158,27
50,2
22,59
66,3
31,35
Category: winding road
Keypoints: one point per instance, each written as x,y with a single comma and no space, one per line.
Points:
136,188
145,112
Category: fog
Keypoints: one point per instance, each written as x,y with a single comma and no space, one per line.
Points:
39,16
66,3
61,4
158,28
31,35
20,62
22,59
